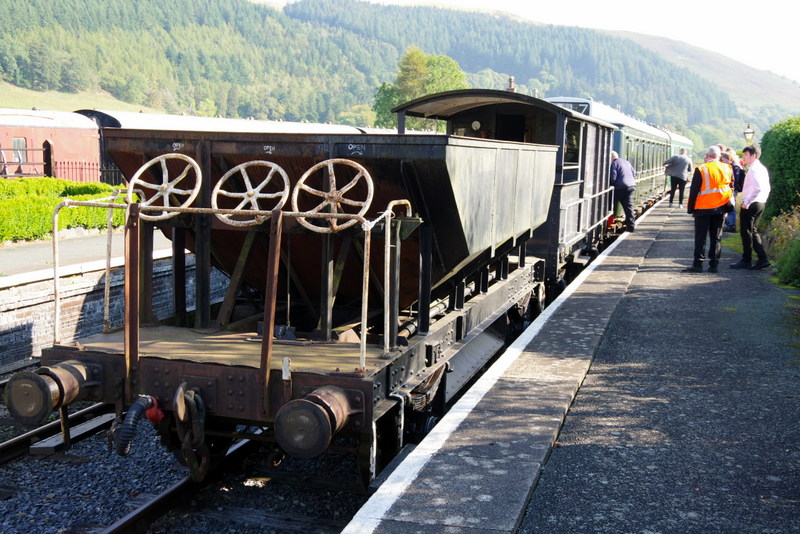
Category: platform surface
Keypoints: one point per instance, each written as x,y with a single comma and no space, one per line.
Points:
645,399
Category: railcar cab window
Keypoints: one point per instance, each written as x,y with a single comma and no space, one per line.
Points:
580,107
480,127
503,127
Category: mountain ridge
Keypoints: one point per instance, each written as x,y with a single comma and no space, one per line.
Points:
323,61
750,88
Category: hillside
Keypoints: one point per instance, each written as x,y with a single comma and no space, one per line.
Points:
323,60
16,97
757,93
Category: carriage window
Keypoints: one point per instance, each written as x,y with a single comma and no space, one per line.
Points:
580,107
20,149
572,143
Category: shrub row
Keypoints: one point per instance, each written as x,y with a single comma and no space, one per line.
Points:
50,187
783,244
27,206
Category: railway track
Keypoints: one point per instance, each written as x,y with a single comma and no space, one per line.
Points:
48,439
191,506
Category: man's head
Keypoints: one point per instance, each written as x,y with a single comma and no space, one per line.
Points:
614,155
729,156
682,152
750,154
713,153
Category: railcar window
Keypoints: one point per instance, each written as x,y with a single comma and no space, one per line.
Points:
580,107
20,148
572,143
511,128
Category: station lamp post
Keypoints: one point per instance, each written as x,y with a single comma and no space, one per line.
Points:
749,132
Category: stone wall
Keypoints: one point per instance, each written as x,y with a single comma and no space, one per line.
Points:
27,310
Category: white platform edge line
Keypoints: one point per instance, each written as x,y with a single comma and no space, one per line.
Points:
374,510
70,270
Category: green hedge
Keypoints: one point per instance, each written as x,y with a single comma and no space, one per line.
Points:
27,206
780,148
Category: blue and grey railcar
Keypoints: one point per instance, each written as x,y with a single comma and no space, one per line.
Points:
644,145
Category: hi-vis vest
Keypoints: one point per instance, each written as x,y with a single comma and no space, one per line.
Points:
716,187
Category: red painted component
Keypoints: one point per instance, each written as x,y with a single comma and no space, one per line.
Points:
154,414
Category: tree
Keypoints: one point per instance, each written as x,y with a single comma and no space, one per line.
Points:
412,75
386,97
419,74
361,115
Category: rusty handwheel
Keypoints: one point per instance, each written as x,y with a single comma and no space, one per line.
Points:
168,194
335,199
259,197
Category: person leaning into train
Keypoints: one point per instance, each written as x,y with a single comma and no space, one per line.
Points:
710,199
623,180
679,169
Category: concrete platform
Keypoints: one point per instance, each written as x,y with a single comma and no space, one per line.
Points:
79,252
479,468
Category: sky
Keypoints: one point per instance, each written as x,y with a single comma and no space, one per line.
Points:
765,37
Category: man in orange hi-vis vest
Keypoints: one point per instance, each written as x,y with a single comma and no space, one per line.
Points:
710,199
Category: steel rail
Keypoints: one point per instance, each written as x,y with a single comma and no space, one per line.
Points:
20,445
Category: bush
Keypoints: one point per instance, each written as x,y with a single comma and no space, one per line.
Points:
781,155
782,231
27,206
788,264
50,187
783,244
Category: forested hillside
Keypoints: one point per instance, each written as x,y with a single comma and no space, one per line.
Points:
323,60
213,57
555,60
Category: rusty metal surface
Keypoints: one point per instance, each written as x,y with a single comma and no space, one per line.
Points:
476,194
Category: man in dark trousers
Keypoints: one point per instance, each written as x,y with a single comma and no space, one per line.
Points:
755,192
623,180
679,169
710,198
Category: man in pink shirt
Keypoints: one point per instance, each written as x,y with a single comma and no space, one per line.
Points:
754,196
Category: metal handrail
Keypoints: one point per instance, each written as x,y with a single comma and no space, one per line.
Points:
366,226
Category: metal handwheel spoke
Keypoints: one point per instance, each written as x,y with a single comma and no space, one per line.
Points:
308,188
253,199
351,202
334,199
263,183
148,185
350,185
319,207
167,195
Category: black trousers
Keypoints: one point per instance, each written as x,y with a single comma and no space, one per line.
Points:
624,195
748,229
680,185
709,226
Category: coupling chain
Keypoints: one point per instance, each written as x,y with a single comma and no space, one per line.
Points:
190,424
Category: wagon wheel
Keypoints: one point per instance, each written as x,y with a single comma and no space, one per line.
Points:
334,198
251,197
167,192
